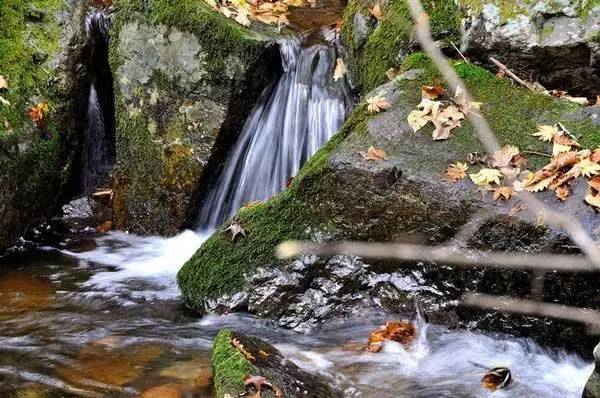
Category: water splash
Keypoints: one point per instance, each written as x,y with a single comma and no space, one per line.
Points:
292,120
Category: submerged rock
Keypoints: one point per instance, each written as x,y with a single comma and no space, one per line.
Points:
341,196
253,358
186,78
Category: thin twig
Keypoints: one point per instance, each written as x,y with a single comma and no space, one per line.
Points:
511,74
460,53
538,153
440,255
530,307
562,126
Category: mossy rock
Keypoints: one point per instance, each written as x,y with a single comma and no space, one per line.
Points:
231,367
186,78
340,196
37,39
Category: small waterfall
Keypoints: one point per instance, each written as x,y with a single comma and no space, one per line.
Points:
292,120
98,155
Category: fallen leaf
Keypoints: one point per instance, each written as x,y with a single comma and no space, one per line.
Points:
236,229
497,378
562,192
417,120
546,133
3,83
340,70
595,183
486,176
504,156
589,168
593,200
519,161
444,130
559,148
255,384
457,171
432,92
392,73
376,11
403,332
242,19
477,158
240,347
374,154
37,113
377,103
504,193
595,156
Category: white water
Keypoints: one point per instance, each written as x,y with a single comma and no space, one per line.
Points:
290,123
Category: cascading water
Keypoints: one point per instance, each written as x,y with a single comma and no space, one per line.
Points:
292,120
98,155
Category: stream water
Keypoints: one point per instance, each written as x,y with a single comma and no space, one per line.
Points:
107,321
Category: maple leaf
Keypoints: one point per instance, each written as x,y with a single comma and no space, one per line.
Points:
504,193
377,103
417,120
236,229
37,113
443,130
504,156
451,112
486,176
340,69
3,83
376,11
374,154
432,92
240,347
403,332
562,192
589,168
546,133
457,171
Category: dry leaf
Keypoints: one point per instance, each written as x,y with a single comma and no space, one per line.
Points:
595,183
374,154
403,332
376,11
497,378
595,156
377,103
593,200
546,133
3,83
236,229
37,113
432,92
340,69
457,171
242,19
451,112
443,130
589,168
240,347
417,120
562,192
392,73
504,193
486,176
504,156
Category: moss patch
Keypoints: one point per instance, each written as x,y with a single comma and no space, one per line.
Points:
230,366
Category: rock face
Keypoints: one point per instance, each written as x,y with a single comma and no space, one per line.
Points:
41,46
555,42
232,366
592,387
186,78
341,196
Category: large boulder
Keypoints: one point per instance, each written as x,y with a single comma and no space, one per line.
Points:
41,46
341,196
592,387
238,360
186,78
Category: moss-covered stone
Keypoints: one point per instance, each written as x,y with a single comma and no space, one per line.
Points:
230,365
34,162
186,78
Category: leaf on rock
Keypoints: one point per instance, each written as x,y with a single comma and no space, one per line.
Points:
403,332
504,156
236,229
451,112
562,192
37,113
3,83
504,193
375,11
589,168
593,200
377,103
457,171
595,183
417,120
432,92
242,19
240,347
444,130
546,133
486,176
374,154
392,73
340,69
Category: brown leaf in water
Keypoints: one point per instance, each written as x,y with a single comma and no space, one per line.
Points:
240,347
403,332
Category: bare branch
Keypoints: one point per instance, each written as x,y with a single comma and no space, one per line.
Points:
511,74
529,307
440,254
573,228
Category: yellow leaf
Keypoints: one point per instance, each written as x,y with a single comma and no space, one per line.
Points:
486,176
3,82
589,168
559,148
457,171
540,185
546,133
417,120
377,103
340,69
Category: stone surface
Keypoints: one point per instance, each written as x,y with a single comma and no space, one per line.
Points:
592,387
186,79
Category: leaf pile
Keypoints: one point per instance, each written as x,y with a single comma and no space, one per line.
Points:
444,112
403,332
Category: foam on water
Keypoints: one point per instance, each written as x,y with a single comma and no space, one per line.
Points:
131,259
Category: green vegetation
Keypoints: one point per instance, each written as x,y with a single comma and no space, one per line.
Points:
230,366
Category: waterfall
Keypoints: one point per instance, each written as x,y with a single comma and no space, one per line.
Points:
291,121
98,155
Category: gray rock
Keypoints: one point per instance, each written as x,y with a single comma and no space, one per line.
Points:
592,387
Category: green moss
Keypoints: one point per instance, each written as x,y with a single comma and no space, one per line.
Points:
393,34
229,365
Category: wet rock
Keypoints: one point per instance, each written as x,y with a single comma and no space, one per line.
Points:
232,366
592,387
182,96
